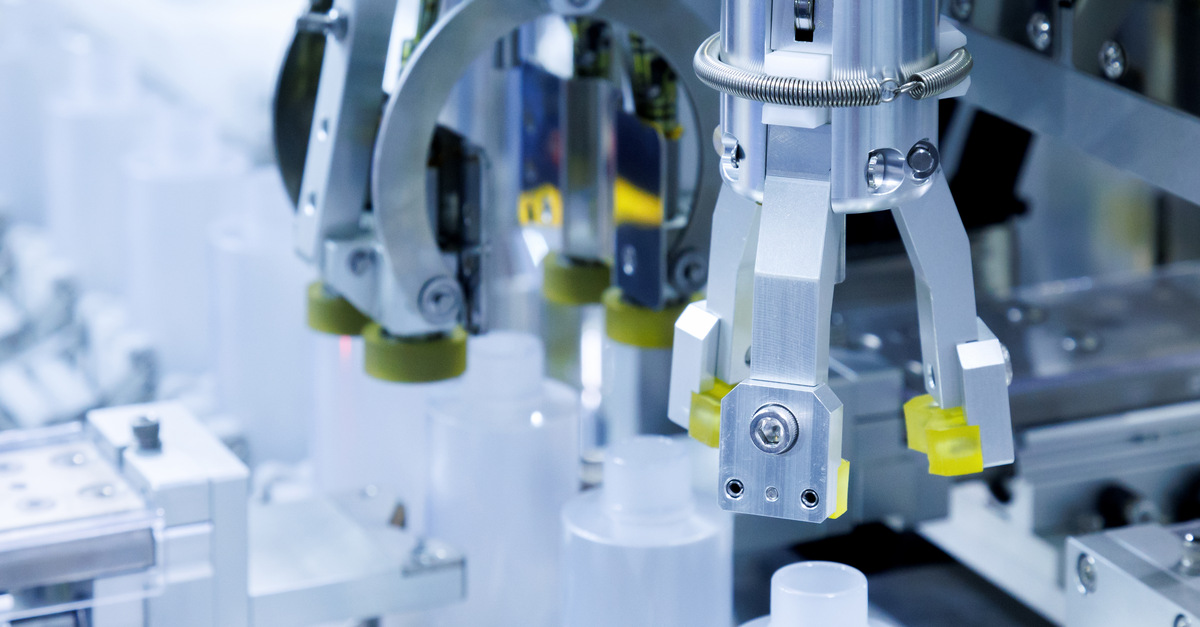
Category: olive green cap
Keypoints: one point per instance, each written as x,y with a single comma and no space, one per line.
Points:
573,283
330,313
639,326
414,360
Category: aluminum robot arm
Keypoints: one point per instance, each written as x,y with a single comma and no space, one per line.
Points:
814,128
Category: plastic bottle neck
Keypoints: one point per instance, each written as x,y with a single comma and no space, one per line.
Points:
818,594
647,479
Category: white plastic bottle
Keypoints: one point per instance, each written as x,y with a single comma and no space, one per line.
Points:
504,453
369,436
32,70
640,550
818,594
263,350
90,128
179,184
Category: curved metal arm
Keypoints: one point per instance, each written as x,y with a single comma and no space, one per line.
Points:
457,40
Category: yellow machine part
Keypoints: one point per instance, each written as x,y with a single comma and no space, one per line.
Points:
573,284
639,326
704,419
843,489
330,313
419,360
542,205
634,205
952,446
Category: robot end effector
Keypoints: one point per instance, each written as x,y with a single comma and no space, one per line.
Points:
778,251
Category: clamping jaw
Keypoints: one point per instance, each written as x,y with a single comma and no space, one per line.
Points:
817,123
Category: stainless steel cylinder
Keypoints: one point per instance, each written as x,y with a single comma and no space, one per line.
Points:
745,29
881,39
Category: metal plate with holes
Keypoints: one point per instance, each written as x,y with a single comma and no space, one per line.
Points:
58,483
799,483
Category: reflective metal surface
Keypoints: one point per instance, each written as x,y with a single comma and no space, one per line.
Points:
399,190
809,466
294,101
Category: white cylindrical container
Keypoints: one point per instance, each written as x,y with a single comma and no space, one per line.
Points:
31,70
264,365
178,186
635,384
90,130
816,594
504,459
368,435
640,551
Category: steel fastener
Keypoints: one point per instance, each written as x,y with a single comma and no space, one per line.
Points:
331,23
440,300
876,170
1085,573
923,160
690,272
361,261
146,431
774,429
1189,562
1112,60
1039,31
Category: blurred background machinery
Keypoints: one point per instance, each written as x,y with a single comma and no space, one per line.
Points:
521,198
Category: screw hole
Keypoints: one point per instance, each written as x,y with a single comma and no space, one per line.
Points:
809,498
734,489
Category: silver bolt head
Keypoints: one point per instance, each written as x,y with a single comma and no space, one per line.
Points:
440,300
923,160
1085,573
361,261
1039,31
331,23
774,429
1189,562
1112,60
690,272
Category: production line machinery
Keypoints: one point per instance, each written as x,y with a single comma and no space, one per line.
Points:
423,172
388,262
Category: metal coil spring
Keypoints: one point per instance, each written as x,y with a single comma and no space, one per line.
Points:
798,92
941,78
782,90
